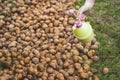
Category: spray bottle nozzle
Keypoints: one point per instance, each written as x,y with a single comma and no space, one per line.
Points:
78,24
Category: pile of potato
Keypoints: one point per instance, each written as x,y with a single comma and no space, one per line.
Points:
37,43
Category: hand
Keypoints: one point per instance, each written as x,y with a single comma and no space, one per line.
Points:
87,6
81,17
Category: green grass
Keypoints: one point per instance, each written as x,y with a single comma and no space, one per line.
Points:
105,17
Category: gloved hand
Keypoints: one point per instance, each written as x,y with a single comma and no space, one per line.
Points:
87,6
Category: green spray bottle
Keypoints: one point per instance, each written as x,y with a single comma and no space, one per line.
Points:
83,31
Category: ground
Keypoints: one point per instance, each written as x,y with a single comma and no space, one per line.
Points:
104,18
